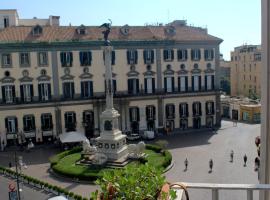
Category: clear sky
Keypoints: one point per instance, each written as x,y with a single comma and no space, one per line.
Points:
235,21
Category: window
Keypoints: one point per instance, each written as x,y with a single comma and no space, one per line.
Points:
168,54
11,124
42,58
149,85
257,56
6,60
150,112
195,54
37,30
8,93
182,54
134,114
183,83
209,107
196,109
27,92
170,111
44,91
68,90
132,57
169,84
133,86
86,89
196,83
255,79
29,123
88,118
66,59
209,82
70,121
208,54
6,22
46,122
85,58
24,59
183,110
148,56
249,67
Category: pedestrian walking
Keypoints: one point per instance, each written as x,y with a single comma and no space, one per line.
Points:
231,155
257,164
211,165
186,164
245,160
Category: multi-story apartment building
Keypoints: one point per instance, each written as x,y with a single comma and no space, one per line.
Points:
225,73
52,79
246,71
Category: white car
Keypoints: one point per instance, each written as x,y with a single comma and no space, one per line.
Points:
149,135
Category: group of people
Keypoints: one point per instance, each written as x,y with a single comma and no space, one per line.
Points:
211,163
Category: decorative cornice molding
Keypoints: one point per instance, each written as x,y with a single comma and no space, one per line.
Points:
208,71
86,75
67,77
133,73
8,80
182,71
44,78
149,73
26,79
196,71
168,72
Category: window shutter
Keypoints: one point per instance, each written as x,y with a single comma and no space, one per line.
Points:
154,112
91,88
172,53
187,110
192,83
172,84
13,93
205,54
3,94
212,54
130,114
173,110
6,123
144,56
66,121
213,108
49,91
199,53
186,83
186,54
152,56
82,90
165,84
62,58
193,109
90,57
72,90
71,58
113,57
167,111
192,54
179,54
81,58
39,92
31,92
206,108
22,92
145,85
136,57
213,82
153,85
130,86
33,122
16,124
114,86
165,54
128,57
138,114
200,83
147,112
200,108
74,117
137,86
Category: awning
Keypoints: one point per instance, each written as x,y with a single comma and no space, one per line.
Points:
72,137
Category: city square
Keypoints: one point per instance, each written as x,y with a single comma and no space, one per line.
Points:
198,146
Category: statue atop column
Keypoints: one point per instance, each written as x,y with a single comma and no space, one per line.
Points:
106,32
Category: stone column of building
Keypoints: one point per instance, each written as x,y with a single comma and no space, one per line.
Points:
265,109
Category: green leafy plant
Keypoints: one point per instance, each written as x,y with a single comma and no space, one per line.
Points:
132,182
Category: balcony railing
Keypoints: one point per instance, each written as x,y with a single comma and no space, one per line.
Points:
215,188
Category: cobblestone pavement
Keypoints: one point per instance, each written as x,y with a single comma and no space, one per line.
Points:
197,146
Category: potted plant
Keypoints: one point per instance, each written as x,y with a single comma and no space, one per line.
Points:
143,182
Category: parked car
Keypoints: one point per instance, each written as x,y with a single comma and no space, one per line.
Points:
58,198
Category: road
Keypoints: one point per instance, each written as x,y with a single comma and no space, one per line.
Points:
198,147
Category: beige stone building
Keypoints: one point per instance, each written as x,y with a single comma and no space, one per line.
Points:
52,78
246,71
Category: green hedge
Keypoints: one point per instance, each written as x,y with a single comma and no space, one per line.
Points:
154,148
56,158
167,159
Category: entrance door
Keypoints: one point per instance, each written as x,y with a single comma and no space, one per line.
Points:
235,114
183,124
209,122
150,125
88,121
196,122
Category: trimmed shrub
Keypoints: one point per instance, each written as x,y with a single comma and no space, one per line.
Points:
167,159
55,159
154,148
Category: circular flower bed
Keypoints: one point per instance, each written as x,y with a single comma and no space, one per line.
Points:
65,163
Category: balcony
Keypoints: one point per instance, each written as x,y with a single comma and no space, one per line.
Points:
215,188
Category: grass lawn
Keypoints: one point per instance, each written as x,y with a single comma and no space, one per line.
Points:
67,167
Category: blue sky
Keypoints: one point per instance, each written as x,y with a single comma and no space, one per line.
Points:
235,21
